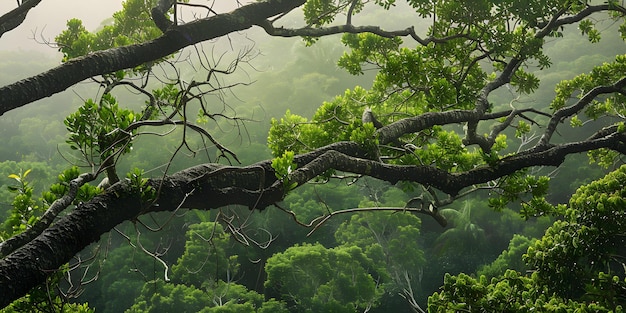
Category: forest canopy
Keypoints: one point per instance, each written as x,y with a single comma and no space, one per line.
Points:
318,156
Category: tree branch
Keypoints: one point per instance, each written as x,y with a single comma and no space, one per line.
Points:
566,112
557,22
393,131
15,17
349,28
47,218
107,61
209,186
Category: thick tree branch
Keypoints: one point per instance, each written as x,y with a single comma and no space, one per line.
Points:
390,133
29,265
107,61
452,183
159,14
393,131
47,218
15,17
482,105
210,186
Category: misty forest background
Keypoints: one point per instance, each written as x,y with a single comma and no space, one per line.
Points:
124,276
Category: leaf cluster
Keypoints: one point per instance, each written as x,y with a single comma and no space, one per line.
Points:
27,209
577,266
341,279
589,241
140,185
133,24
99,130
283,167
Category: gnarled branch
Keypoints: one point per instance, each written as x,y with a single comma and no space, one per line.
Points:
111,60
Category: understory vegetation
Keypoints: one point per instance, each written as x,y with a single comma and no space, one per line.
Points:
318,156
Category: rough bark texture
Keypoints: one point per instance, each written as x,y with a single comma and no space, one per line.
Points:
107,61
196,187
15,17
210,186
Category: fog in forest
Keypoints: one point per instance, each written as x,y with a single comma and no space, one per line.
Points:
281,79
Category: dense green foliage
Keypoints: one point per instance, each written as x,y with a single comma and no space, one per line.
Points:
577,266
315,279
133,24
343,242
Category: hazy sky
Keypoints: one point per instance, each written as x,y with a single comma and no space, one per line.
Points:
48,19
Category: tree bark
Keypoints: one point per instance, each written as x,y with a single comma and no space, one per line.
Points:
15,17
108,61
202,187
210,186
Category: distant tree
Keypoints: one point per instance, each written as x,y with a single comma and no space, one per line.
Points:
578,265
584,255
312,278
205,260
464,234
221,297
440,134
508,259
389,239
